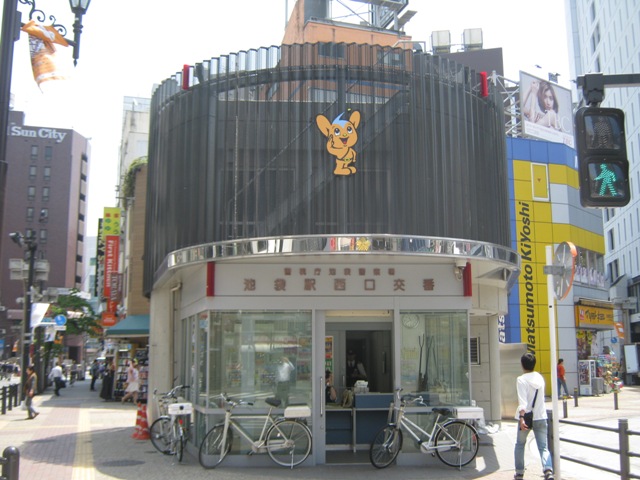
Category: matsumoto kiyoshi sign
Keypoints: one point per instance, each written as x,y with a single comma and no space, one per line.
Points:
50,133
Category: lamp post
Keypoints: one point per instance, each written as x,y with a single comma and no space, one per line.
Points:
9,34
30,246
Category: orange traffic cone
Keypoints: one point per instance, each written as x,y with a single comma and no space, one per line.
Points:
144,425
138,429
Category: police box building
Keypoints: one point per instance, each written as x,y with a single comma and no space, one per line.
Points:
333,207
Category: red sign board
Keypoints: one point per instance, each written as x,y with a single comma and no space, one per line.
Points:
108,319
111,254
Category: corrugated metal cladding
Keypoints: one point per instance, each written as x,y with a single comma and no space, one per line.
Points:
239,154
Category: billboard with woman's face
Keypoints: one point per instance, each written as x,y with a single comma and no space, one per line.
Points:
546,110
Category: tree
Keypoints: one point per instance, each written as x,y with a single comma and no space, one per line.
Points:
81,319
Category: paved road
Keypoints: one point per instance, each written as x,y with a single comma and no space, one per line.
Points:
78,436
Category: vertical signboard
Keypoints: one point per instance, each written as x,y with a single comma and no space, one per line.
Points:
111,253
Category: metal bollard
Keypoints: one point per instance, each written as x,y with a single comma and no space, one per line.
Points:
623,439
564,408
575,397
615,400
5,393
11,463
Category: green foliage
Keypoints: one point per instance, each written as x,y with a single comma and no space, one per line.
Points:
128,185
80,315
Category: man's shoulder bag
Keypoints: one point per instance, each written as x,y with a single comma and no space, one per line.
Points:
528,416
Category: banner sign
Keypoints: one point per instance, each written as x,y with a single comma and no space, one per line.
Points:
111,254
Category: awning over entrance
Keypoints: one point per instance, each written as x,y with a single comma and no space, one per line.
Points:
131,326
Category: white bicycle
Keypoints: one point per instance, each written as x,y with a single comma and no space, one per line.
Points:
286,439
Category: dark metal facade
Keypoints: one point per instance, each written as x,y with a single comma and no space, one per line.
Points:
238,155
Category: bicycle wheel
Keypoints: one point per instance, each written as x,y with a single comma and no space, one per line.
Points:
457,443
385,446
211,452
289,443
160,433
177,440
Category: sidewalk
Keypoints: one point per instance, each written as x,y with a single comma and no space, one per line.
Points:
80,436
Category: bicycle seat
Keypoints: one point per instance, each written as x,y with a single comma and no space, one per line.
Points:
445,412
274,402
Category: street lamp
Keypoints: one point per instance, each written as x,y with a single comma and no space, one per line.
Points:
79,8
9,34
30,246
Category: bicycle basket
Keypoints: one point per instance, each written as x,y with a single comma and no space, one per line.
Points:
180,409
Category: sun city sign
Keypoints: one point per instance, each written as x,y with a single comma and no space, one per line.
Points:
51,133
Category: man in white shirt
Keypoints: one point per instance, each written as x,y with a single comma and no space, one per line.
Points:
56,376
283,379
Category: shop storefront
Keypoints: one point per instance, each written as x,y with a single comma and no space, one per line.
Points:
597,363
126,341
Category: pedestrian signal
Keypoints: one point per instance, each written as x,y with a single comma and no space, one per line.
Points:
602,157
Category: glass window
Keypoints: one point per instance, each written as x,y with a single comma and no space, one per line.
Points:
47,173
48,153
34,153
33,171
43,236
31,193
30,211
45,194
248,351
435,356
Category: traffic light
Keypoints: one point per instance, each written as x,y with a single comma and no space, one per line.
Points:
602,157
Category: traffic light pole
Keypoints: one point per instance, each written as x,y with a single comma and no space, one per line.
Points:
592,84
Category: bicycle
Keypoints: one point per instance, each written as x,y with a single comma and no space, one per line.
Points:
455,442
287,439
161,431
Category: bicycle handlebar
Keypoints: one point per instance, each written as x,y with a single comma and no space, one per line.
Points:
409,398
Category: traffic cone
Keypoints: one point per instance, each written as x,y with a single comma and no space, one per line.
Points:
144,425
138,430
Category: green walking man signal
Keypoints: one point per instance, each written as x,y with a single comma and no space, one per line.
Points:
602,157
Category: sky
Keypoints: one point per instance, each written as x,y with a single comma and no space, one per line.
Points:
128,46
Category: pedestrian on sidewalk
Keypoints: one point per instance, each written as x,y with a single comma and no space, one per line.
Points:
562,382
30,392
95,371
530,388
107,381
133,383
56,376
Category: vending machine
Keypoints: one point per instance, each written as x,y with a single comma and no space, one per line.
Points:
586,373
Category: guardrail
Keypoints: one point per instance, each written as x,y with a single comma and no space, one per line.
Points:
10,397
622,450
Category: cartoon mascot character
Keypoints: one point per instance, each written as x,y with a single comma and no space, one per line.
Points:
341,136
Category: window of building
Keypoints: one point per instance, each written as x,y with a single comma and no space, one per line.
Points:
333,50
30,211
614,270
34,153
595,38
443,338
592,11
391,58
46,174
612,242
33,172
31,193
44,215
43,236
45,194
239,352
48,154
